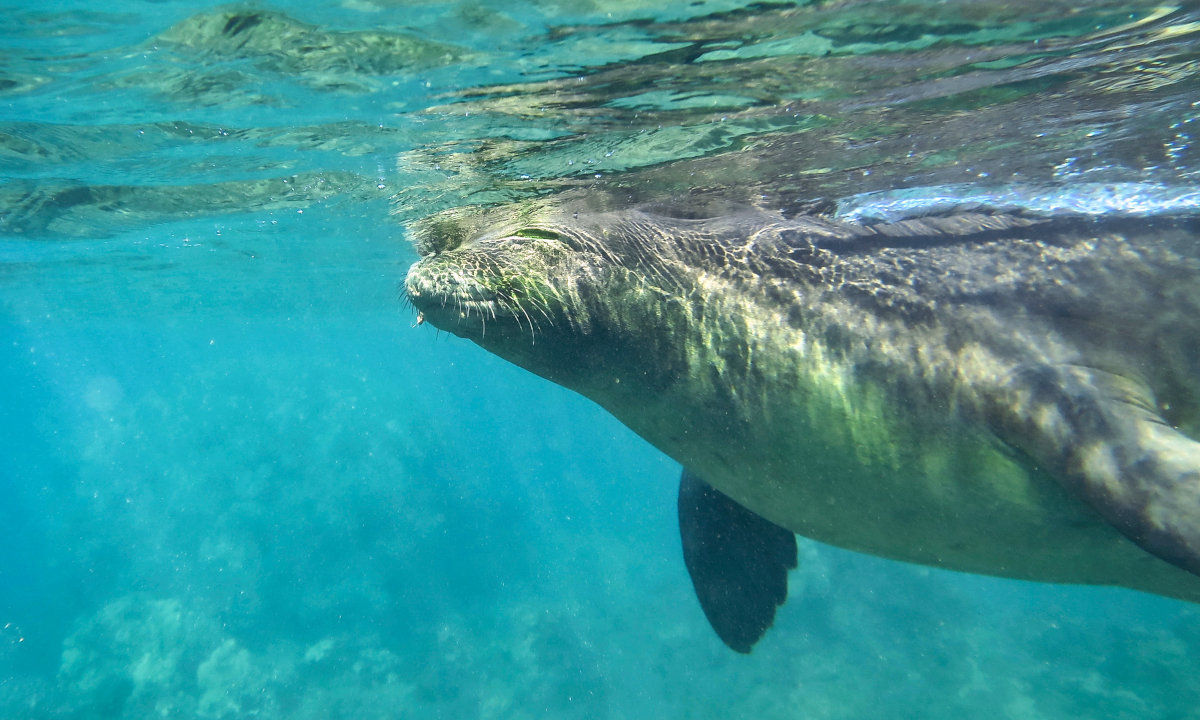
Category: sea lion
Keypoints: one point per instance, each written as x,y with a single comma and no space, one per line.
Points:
992,393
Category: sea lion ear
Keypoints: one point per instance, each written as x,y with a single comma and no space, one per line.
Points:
1109,444
737,560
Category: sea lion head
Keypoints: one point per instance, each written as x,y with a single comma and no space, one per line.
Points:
583,299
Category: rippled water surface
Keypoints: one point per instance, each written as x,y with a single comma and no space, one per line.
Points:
236,482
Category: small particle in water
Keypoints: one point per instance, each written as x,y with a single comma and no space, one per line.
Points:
103,394
420,319
381,186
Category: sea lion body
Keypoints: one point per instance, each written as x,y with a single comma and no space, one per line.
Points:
998,394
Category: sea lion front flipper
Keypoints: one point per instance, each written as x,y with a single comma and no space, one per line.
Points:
737,560
1103,436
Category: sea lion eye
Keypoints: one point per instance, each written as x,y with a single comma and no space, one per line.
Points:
440,235
537,234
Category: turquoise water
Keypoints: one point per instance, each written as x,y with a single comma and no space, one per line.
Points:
236,482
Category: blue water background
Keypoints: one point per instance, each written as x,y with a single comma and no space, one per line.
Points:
236,482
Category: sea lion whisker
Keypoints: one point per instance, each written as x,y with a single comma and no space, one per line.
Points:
532,332
544,309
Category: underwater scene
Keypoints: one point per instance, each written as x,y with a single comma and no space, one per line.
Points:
249,470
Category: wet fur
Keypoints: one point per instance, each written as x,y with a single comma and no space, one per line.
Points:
889,372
